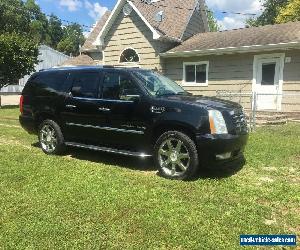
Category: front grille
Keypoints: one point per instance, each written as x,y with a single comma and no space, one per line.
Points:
240,121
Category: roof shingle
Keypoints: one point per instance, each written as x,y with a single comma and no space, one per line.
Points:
264,35
82,60
88,45
176,15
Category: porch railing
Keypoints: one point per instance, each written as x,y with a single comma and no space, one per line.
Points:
286,104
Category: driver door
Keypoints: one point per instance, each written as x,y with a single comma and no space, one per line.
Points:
127,110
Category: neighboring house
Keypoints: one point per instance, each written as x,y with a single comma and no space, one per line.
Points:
172,36
48,58
81,60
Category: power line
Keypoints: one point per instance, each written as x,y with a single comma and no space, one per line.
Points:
184,8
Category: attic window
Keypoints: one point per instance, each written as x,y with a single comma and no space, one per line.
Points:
128,56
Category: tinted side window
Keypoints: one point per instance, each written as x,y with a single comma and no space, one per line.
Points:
53,81
45,83
86,84
117,86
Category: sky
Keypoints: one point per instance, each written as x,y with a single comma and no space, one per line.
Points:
86,12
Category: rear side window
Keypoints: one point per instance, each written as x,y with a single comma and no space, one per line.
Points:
53,81
44,83
86,84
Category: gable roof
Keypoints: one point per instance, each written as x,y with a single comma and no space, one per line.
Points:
88,45
176,17
240,40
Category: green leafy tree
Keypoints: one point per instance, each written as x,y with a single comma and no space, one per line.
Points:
291,12
18,52
55,31
38,23
212,22
270,13
18,55
72,40
14,17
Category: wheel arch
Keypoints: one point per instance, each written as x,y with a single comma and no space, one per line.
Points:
42,116
163,127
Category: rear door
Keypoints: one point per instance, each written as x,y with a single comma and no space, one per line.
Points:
81,114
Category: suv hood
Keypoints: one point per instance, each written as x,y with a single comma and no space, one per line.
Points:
204,101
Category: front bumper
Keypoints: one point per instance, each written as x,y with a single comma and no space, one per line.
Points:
216,150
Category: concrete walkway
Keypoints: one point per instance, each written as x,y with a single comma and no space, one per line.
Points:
7,100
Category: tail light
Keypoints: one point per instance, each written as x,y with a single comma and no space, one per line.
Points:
21,104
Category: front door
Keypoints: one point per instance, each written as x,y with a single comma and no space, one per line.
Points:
127,112
268,82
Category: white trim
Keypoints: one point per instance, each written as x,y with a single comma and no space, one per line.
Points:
195,84
229,50
280,56
100,39
117,9
103,57
129,62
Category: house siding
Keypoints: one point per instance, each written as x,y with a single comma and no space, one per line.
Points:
131,32
194,26
235,73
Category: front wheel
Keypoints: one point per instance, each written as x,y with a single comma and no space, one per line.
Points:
51,138
176,156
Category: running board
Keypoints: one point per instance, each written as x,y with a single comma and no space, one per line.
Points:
108,150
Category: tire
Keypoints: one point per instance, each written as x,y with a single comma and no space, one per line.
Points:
51,138
176,148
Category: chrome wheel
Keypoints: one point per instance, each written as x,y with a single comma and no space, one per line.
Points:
174,158
48,138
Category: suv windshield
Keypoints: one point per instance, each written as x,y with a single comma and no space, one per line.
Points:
158,85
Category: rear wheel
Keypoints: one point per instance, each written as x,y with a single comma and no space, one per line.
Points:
176,156
51,138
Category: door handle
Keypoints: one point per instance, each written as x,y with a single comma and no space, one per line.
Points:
71,106
104,109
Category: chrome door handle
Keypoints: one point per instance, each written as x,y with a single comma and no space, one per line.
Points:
71,106
104,109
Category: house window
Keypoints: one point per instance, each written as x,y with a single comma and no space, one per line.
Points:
129,56
268,73
195,74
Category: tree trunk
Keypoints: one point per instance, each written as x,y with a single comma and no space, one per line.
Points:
0,101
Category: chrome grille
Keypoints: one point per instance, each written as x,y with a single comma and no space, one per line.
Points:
240,121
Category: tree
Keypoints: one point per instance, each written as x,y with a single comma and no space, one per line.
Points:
291,12
270,13
72,40
38,23
18,52
14,17
55,31
212,22
18,55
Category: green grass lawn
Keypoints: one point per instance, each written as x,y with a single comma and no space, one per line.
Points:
91,200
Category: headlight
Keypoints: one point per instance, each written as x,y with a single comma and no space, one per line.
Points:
217,122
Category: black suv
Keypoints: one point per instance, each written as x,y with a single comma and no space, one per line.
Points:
132,112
